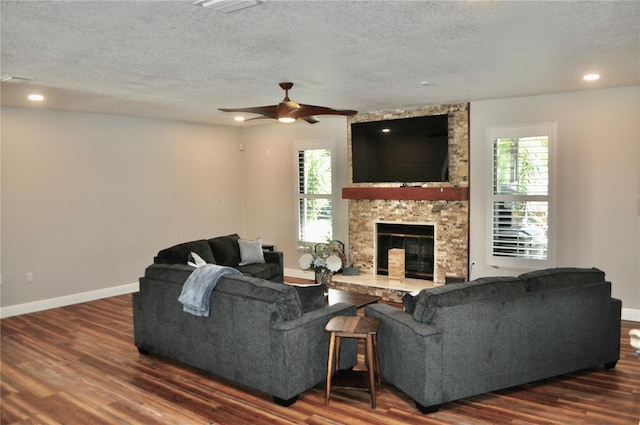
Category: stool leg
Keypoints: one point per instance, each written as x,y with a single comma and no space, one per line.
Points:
332,341
376,354
337,350
372,383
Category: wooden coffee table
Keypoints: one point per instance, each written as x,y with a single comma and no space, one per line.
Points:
359,300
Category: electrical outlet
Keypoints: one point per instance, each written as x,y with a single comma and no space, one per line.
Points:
30,277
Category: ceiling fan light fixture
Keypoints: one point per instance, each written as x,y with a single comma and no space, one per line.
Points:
287,111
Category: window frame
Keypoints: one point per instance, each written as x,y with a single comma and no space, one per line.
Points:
548,129
313,144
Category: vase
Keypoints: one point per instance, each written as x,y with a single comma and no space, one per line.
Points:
323,277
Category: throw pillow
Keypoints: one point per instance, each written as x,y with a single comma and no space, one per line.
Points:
195,260
250,252
225,250
409,302
311,296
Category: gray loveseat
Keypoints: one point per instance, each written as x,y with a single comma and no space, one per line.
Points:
266,335
465,339
225,251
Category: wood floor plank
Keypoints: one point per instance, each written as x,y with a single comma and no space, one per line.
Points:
78,365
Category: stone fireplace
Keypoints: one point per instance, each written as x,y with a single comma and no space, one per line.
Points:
443,206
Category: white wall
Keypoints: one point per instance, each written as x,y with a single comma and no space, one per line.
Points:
269,191
598,166
88,199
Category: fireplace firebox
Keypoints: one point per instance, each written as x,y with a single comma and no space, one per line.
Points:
418,242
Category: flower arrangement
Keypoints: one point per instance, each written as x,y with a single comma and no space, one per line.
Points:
327,256
317,261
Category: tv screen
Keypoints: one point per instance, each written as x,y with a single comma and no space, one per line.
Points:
406,150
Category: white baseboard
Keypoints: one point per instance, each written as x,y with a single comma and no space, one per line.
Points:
15,310
299,273
631,314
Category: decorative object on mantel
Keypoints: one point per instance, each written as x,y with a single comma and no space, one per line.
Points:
327,259
350,271
396,264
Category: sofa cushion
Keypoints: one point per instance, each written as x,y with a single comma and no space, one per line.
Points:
283,296
226,250
429,300
263,271
311,296
176,273
250,252
179,254
558,278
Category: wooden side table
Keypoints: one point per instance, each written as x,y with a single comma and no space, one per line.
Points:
354,327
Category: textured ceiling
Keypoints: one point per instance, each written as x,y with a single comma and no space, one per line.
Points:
177,60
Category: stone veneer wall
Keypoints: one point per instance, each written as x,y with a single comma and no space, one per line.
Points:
451,218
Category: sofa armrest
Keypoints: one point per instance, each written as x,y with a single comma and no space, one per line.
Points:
611,350
404,319
302,345
325,313
411,354
275,257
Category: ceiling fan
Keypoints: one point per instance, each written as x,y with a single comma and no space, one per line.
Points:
289,111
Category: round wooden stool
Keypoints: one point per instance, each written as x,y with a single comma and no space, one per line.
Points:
362,327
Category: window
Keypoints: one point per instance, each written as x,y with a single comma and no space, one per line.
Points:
520,203
314,164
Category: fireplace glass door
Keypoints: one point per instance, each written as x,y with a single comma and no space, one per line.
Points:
417,240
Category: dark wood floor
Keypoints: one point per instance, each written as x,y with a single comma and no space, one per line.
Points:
78,365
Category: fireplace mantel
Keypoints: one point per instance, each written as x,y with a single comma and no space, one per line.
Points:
407,193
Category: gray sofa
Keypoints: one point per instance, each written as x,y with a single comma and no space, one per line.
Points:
225,251
465,339
266,335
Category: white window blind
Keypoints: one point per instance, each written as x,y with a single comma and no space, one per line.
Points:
520,197
314,194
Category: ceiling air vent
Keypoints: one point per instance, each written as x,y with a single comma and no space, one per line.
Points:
14,79
228,6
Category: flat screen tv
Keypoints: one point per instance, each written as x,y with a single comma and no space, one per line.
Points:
405,150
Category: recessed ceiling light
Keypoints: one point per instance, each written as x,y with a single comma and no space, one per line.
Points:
36,97
239,118
386,130
591,77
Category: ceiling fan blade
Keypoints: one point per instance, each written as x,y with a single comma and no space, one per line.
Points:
268,111
257,118
311,119
307,110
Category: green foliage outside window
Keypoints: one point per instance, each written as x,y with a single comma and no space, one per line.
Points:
314,167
